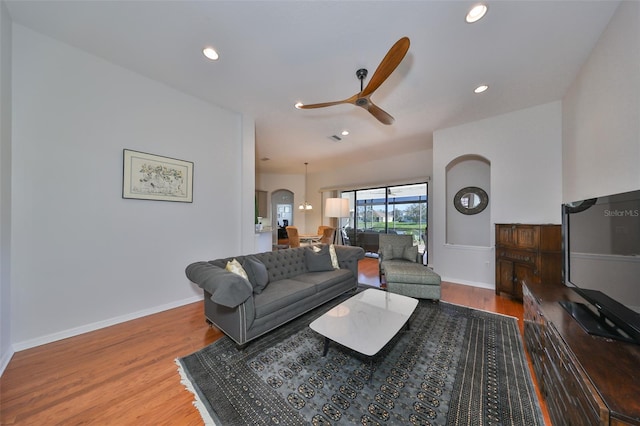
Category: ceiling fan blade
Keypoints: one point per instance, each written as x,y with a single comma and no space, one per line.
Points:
351,100
389,63
382,116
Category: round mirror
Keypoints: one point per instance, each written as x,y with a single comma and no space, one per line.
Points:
471,200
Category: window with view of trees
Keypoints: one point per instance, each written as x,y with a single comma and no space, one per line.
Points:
398,209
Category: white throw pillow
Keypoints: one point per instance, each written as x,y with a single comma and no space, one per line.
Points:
334,257
235,267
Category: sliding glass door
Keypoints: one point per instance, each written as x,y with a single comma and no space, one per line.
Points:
400,209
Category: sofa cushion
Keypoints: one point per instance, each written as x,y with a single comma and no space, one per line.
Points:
410,253
412,273
387,252
326,279
256,272
318,261
283,264
281,294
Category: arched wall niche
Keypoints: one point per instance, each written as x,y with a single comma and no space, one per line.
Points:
461,229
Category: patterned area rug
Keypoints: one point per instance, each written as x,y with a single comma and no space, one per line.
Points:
454,365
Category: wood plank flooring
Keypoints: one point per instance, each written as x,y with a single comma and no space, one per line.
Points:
126,375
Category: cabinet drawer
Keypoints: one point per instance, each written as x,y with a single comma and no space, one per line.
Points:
518,235
516,255
528,236
534,324
579,403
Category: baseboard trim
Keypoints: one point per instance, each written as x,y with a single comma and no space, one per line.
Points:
43,340
4,361
469,283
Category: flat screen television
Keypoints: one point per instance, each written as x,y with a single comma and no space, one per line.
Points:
601,247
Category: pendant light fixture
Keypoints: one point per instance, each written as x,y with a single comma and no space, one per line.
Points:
305,206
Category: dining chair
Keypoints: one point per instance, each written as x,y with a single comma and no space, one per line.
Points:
327,235
321,229
294,237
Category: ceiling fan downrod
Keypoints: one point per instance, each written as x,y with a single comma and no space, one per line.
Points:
362,74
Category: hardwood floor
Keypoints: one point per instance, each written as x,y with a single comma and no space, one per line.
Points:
126,375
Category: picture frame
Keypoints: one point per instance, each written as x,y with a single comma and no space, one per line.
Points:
154,177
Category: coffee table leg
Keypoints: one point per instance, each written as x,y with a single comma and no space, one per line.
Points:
326,346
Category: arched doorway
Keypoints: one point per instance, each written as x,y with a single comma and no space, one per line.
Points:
282,211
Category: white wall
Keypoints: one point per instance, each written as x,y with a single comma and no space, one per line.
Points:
295,183
246,197
524,150
601,114
5,187
601,139
83,257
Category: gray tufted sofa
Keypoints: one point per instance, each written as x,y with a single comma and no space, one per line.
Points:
296,281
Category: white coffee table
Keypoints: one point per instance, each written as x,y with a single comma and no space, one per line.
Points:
365,322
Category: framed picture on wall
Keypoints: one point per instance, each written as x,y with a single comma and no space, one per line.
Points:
152,177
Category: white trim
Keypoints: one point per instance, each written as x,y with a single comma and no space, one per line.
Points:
482,310
606,257
469,283
358,186
42,340
465,247
5,360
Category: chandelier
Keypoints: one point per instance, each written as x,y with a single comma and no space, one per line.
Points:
304,207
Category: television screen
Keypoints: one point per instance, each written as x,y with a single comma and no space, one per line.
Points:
602,246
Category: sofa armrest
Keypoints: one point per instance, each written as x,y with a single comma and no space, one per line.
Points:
234,322
226,288
348,257
345,253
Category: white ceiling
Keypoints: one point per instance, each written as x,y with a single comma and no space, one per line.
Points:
275,53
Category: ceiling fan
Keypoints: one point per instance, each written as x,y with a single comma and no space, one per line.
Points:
362,99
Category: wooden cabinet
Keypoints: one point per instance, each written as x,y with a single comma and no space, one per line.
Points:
261,200
527,253
585,380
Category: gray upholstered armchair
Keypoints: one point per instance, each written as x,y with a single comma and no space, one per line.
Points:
402,267
396,248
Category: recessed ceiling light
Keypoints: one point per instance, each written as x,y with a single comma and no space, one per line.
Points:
298,105
476,13
210,53
481,88
344,133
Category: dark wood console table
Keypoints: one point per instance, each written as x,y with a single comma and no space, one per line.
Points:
585,380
